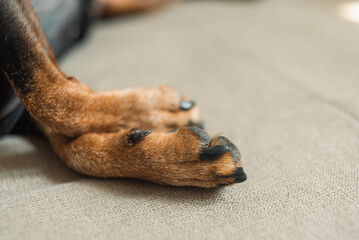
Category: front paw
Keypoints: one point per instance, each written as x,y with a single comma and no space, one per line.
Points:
190,157
162,108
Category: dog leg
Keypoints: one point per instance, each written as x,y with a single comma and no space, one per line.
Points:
87,128
65,104
186,157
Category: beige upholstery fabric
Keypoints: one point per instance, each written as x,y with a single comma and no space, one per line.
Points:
279,78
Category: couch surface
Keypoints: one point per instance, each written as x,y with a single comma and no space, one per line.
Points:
278,78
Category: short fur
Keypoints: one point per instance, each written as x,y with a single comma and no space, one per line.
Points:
97,133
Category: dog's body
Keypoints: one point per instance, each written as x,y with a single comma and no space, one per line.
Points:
97,133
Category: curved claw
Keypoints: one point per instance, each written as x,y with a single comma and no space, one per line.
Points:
213,152
234,150
239,175
173,130
136,135
186,105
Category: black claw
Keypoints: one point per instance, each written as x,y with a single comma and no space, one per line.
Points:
240,175
234,150
136,135
213,152
186,105
173,130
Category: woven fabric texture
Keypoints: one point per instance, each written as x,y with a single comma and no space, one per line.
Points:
278,78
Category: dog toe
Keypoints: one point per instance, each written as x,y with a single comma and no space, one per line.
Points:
187,105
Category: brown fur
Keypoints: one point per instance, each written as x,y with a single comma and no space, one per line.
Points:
90,130
164,158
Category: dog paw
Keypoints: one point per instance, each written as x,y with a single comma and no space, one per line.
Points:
190,157
170,110
159,109
187,156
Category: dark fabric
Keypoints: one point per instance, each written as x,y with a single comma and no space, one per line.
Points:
10,106
8,123
64,22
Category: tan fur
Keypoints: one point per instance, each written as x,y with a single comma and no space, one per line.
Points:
90,130
164,158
